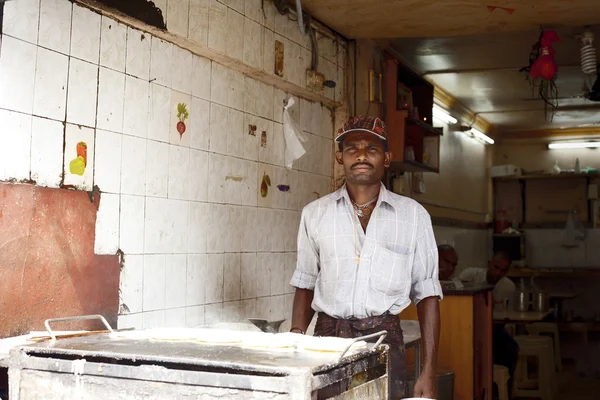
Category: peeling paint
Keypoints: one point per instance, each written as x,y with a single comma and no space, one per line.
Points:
145,11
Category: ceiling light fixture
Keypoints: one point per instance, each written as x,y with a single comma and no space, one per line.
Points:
443,115
574,145
482,136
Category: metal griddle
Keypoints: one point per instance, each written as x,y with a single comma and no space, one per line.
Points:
178,369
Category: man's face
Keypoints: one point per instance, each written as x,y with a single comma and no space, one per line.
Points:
447,265
363,158
498,268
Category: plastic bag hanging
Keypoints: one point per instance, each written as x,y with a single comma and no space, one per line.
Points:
574,231
294,137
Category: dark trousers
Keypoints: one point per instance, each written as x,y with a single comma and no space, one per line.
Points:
505,351
353,328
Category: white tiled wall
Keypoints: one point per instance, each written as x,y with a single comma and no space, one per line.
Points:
472,245
201,245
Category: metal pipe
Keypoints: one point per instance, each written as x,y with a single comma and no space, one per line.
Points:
300,19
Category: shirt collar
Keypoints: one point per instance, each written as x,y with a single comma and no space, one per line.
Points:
384,195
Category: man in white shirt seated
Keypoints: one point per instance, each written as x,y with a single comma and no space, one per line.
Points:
448,259
504,348
494,274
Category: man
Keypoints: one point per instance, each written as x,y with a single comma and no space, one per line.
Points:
448,261
495,275
364,253
505,350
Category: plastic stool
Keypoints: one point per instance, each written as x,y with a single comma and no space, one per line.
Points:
501,377
541,348
539,328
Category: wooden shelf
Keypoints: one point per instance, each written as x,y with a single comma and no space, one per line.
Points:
545,176
411,166
428,130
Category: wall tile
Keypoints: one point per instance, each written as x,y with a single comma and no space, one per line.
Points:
107,171
135,117
248,275
237,5
235,133
280,99
173,218
179,99
198,175
161,55
217,28
85,34
46,151
235,34
290,233
17,74
133,165
290,267
113,44
182,70
132,283
76,134
153,319
130,321
263,308
232,277
254,10
199,129
219,126
253,43
268,61
217,171
247,309
107,225
198,22
213,313
159,113
250,96
178,16
82,92
175,317
265,101
176,275
111,100
263,270
220,78
249,191
50,93
198,227
21,19
251,142
340,88
194,316
267,201
231,311
214,278
179,173
196,271
55,25
266,154
249,229
276,265
233,243
201,76
162,6
154,297
15,145
277,236
237,85
138,54
219,228
269,11
131,237
157,168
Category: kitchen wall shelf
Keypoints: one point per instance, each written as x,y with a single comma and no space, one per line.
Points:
414,142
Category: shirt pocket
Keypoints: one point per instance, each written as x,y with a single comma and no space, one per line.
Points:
390,272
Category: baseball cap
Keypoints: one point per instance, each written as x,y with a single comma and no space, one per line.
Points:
363,123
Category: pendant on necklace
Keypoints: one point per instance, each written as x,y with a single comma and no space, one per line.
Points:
359,212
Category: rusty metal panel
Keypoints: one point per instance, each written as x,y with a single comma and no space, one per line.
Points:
279,50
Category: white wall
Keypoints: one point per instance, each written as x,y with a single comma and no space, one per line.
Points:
199,246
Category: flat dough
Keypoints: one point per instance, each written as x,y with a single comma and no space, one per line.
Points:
332,345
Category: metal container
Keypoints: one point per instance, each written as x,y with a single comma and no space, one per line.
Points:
521,301
541,302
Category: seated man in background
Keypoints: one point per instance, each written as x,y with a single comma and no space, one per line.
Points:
504,348
448,259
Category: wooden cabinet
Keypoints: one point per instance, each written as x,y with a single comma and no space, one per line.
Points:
413,141
465,340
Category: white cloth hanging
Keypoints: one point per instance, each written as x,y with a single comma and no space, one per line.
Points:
294,137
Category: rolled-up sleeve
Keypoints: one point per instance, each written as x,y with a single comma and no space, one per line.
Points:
307,266
425,279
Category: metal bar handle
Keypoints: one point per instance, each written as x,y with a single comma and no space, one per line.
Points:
78,318
381,334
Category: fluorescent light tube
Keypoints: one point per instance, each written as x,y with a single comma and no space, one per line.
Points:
574,145
482,136
443,115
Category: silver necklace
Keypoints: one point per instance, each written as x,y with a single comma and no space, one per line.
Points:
361,209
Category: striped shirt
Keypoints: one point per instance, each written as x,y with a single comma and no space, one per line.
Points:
398,256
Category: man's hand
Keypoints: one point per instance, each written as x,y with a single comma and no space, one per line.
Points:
425,385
